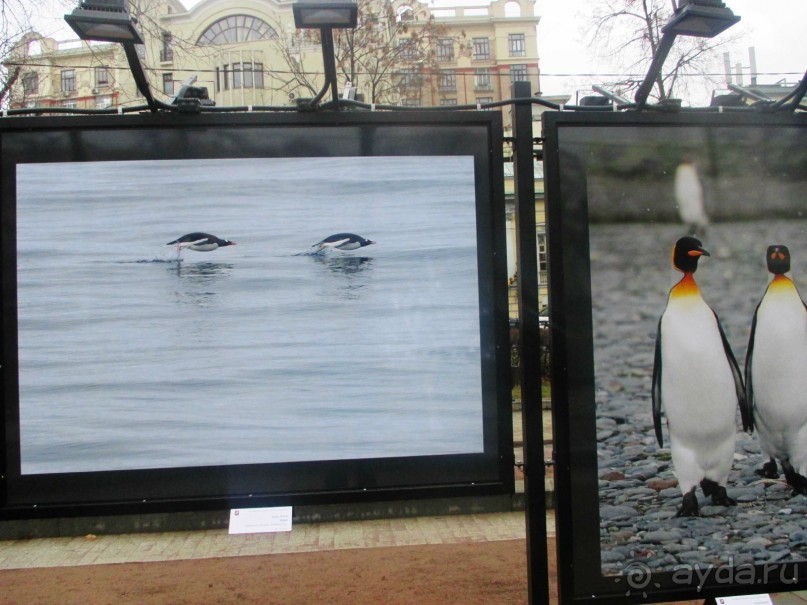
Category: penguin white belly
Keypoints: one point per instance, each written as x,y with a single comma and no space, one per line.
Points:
203,247
698,393
779,377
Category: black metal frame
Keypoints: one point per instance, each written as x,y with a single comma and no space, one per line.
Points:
231,135
574,409
530,348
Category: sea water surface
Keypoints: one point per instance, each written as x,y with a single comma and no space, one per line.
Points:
131,357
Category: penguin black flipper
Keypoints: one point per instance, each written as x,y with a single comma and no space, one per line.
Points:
656,390
746,414
749,356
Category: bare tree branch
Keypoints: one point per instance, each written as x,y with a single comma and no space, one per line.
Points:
628,33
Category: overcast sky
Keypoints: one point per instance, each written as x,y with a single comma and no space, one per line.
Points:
775,28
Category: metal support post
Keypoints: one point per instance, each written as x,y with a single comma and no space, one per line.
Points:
529,344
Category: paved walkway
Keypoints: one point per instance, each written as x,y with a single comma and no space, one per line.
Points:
306,537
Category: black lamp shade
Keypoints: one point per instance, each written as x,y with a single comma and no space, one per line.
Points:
701,18
104,20
319,14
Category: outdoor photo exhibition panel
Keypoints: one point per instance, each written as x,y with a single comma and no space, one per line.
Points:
249,310
678,399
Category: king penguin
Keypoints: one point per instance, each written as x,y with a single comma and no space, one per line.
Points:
776,373
689,198
697,380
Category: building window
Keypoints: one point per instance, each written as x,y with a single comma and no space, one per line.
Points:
68,80
410,102
239,75
512,9
246,75
404,13
101,76
410,78
103,101
448,102
517,45
237,28
481,49
225,77
445,49
30,83
482,79
542,257
518,73
167,51
69,104
448,81
483,100
168,84
407,50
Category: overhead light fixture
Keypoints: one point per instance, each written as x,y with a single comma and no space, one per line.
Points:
326,15
701,18
318,14
104,20
109,21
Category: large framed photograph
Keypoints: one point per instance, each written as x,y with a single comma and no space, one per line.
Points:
249,309
678,398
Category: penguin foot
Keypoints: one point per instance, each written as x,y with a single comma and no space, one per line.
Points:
769,470
795,480
689,505
717,493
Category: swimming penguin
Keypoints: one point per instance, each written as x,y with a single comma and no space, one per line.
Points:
201,242
776,374
343,241
697,379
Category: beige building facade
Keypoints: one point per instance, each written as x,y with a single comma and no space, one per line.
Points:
245,52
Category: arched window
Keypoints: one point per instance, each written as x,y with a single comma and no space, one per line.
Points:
237,28
512,9
405,13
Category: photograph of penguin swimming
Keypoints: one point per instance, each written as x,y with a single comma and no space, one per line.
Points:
255,352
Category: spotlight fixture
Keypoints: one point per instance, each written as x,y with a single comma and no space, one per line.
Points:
326,15
318,14
701,18
104,20
109,21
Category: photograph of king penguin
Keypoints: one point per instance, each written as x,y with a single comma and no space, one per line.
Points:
776,374
697,381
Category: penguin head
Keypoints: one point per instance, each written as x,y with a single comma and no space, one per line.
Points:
778,259
686,253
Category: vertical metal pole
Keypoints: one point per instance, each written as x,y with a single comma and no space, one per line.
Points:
654,71
329,59
529,345
141,81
